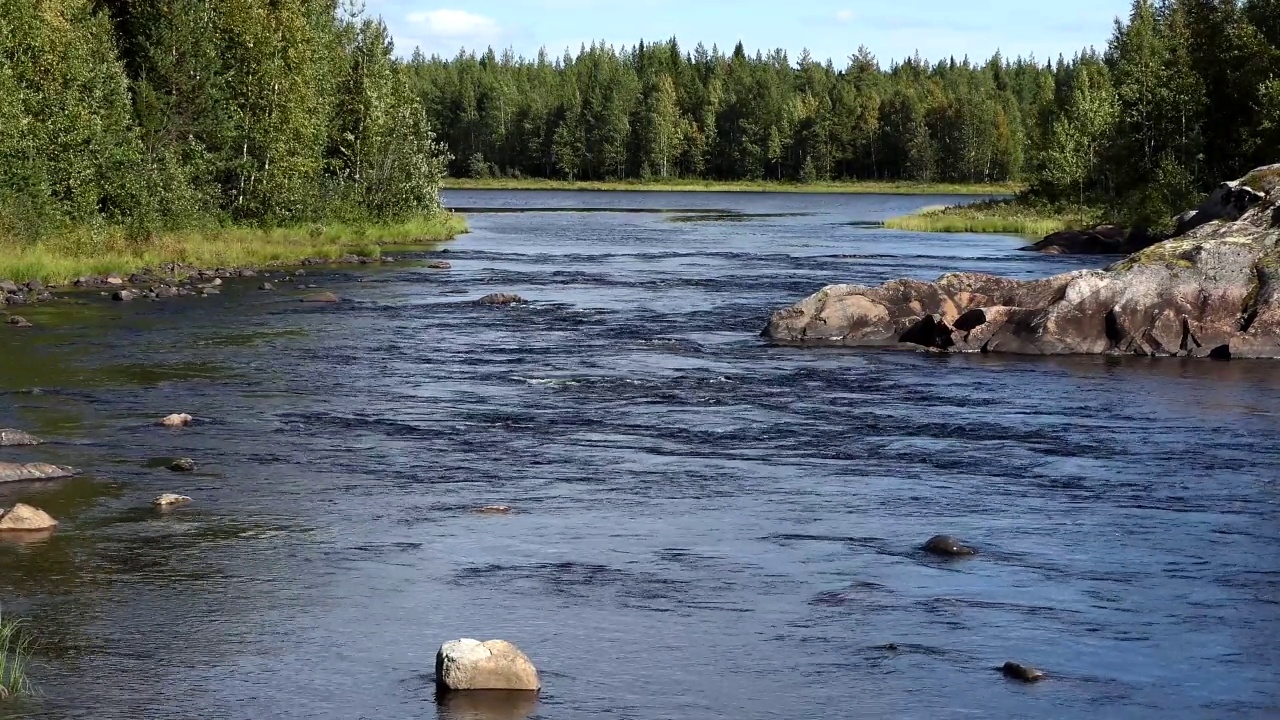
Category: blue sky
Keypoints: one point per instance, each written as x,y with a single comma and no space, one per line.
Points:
828,28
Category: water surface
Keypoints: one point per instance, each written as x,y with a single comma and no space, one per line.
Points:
705,526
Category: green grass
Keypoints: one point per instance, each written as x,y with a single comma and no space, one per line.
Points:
1007,217
15,650
859,187
88,252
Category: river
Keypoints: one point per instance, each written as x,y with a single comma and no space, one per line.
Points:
704,526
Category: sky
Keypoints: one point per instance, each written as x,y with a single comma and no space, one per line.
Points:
827,28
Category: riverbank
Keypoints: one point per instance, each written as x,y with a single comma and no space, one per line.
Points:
859,187
1007,217
97,252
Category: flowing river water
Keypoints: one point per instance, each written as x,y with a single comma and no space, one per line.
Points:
704,526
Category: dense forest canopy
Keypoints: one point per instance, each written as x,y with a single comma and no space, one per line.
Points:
1186,93
164,113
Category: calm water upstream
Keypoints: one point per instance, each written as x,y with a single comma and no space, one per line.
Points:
706,527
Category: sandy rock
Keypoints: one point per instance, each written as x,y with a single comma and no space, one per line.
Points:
176,420
500,299
1018,671
170,500
10,437
13,472
23,517
947,546
468,664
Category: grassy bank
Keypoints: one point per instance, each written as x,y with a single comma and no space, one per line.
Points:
851,188
15,649
100,251
1009,217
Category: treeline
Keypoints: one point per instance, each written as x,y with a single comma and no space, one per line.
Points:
1186,93
152,114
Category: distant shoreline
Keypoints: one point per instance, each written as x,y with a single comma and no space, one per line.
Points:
859,187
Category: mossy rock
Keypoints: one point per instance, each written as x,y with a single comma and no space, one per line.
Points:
1264,179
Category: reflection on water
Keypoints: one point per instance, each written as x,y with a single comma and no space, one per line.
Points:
703,526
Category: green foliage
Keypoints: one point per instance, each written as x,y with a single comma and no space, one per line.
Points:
133,120
1186,96
1011,217
653,111
15,650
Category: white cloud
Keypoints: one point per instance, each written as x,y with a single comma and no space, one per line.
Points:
844,17
458,24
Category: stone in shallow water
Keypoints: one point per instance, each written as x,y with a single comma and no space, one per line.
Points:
26,517
947,546
182,465
1018,671
170,499
321,297
10,437
495,510
176,420
469,664
500,299
13,472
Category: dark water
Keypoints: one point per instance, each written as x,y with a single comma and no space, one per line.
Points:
706,527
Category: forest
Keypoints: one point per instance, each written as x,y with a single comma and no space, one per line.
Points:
124,119
1185,94
127,119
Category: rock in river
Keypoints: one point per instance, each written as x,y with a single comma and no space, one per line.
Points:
1018,671
170,499
500,299
182,465
10,437
26,517
947,546
468,664
321,297
1214,292
13,472
176,420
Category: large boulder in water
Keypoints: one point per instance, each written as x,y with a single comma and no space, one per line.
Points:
22,517
1214,291
469,664
13,472
10,437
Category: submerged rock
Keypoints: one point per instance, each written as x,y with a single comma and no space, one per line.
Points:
439,265
500,299
495,510
1214,292
469,664
17,321
321,297
170,499
10,437
23,517
182,465
947,546
1018,671
12,472
176,420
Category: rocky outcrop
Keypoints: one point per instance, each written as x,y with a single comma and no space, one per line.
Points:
22,517
13,472
468,664
1101,240
1213,292
10,437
